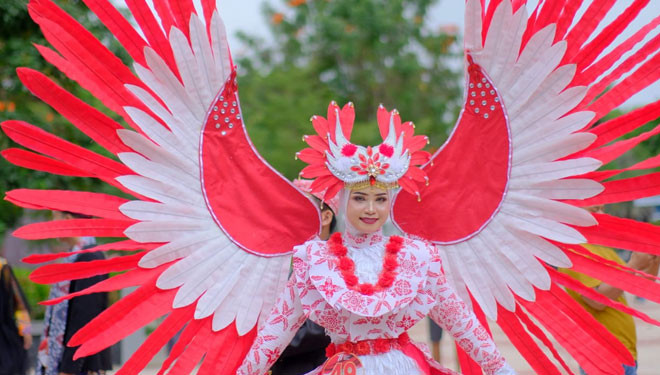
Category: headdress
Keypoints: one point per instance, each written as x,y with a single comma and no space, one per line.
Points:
306,187
335,162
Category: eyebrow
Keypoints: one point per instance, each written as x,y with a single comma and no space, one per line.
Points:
365,194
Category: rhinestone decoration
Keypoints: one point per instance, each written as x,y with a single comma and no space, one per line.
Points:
217,126
482,100
223,132
216,117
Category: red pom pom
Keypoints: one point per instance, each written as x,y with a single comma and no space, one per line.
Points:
367,289
396,240
336,238
390,263
347,347
346,264
386,150
348,150
381,346
386,280
330,350
362,348
404,339
351,280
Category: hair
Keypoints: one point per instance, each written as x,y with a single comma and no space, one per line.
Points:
324,207
77,215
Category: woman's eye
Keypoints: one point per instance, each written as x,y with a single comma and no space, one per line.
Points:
381,200
358,198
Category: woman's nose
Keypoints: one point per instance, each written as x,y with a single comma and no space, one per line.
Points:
370,207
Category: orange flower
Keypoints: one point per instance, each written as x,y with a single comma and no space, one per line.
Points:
278,18
11,107
295,3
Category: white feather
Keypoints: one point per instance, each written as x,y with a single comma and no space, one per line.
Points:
525,175
541,248
559,128
220,48
544,150
573,188
550,209
154,211
177,249
160,172
186,63
550,111
544,227
158,154
164,231
204,57
159,191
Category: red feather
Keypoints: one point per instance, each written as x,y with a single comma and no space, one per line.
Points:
538,332
27,159
595,267
527,347
127,245
181,11
623,190
162,7
73,228
134,277
93,204
175,321
623,234
120,28
585,26
184,339
90,121
590,293
141,307
316,142
53,273
567,16
151,29
311,156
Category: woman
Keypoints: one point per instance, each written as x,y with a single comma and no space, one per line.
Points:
367,290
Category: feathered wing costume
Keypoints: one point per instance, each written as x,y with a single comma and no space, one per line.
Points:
204,248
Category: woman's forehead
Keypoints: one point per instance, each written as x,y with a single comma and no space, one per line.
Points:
370,190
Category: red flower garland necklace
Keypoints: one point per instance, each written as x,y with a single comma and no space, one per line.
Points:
347,266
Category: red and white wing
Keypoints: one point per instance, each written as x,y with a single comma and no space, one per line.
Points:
211,226
506,189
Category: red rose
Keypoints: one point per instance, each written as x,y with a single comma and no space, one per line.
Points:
336,238
404,339
362,348
367,289
391,248
381,346
396,240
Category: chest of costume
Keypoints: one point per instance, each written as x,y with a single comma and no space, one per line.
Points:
346,312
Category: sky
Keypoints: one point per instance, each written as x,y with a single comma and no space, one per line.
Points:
246,15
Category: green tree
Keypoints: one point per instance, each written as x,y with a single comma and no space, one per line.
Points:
368,52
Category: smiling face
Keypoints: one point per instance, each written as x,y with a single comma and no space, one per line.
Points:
368,209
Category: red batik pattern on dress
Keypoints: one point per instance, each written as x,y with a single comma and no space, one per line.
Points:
286,317
325,274
453,314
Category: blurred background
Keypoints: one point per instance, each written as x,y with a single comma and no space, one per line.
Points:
293,58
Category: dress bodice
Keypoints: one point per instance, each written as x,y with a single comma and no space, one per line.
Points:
349,315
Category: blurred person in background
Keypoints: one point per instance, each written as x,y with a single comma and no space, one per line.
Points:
15,327
620,324
64,319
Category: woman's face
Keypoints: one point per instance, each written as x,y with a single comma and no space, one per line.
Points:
368,209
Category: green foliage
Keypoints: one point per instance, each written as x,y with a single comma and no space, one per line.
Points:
18,33
368,52
34,293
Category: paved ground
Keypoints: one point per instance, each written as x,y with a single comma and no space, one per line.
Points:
648,345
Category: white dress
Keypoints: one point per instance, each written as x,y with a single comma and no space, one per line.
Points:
317,291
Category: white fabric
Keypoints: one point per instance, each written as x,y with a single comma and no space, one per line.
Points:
308,296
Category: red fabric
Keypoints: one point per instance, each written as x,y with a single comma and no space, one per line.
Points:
623,233
152,31
471,167
93,204
162,7
585,26
157,340
73,228
534,329
131,314
185,338
621,125
90,121
590,293
30,160
120,28
134,277
78,157
614,276
624,190
610,152
586,340
527,347
594,48
567,16
270,217
52,273
468,365
127,245
227,351
181,11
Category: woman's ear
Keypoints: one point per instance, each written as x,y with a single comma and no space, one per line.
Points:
326,217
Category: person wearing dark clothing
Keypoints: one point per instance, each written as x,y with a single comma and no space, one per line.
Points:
64,319
305,352
15,335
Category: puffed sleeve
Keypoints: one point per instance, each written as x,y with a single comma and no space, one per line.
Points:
283,322
453,315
